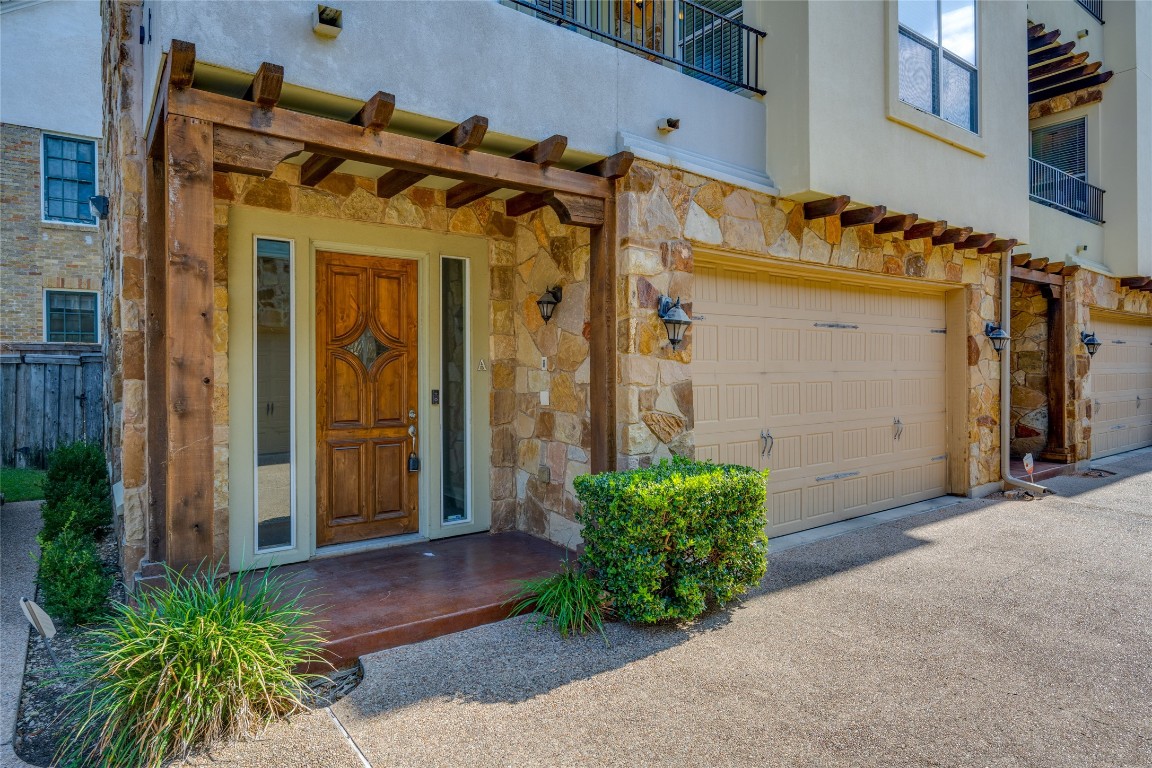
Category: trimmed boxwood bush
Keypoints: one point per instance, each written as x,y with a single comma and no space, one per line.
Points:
76,490
667,541
72,582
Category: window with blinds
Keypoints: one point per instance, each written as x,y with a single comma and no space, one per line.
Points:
709,43
1062,146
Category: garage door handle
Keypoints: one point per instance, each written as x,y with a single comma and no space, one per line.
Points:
769,441
899,425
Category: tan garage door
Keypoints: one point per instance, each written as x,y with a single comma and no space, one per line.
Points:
837,388
1120,385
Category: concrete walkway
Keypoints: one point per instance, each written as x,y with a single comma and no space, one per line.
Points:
20,522
986,633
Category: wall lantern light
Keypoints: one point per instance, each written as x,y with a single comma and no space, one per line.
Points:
1090,341
998,336
676,320
98,205
548,301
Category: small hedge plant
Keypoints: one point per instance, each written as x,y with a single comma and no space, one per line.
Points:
196,660
667,541
76,489
72,582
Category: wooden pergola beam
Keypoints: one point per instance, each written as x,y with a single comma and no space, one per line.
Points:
1070,270
1055,52
1069,86
580,210
998,246
382,148
925,229
1036,276
1020,259
1054,267
1057,65
464,136
373,116
977,241
544,154
611,167
825,207
950,236
1037,263
1043,40
1063,76
1135,282
266,85
860,216
244,152
900,222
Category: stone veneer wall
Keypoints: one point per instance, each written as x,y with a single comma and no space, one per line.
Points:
1084,291
1029,414
122,168
536,449
36,255
665,214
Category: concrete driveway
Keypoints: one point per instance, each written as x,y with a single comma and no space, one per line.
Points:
989,633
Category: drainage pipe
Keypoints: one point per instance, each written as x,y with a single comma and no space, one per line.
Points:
1006,382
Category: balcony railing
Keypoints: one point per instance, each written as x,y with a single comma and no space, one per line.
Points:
1052,187
700,41
1094,7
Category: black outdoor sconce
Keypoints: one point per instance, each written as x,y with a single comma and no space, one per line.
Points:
997,335
548,301
676,320
1090,341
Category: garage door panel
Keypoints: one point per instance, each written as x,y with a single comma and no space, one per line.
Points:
1120,385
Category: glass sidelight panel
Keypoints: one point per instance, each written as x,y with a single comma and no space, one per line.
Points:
273,349
454,389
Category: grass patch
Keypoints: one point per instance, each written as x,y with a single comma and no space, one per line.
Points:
18,484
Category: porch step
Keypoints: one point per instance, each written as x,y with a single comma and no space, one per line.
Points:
371,601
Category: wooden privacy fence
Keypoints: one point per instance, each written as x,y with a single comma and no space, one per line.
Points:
48,397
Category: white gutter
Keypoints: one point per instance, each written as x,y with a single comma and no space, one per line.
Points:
1006,383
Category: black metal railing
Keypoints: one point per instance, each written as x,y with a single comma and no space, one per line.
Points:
1094,7
709,43
1052,187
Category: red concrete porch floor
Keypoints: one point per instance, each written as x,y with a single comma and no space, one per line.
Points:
1041,470
370,601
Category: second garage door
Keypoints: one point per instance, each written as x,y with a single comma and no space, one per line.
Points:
837,388
1120,384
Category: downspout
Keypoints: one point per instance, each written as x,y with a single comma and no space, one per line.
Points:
1006,383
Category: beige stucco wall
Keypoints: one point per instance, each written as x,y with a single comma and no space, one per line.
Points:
832,116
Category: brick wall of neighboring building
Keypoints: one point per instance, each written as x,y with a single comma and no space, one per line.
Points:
35,255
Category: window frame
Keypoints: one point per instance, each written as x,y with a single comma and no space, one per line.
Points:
1082,123
48,315
44,217
927,123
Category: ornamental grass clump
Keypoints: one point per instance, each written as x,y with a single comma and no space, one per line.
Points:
190,663
569,601
668,541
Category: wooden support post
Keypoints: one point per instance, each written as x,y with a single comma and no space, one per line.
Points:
898,223
828,206
155,357
860,216
189,341
603,340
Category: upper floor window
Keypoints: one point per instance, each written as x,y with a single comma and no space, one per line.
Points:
1062,146
71,316
69,179
937,59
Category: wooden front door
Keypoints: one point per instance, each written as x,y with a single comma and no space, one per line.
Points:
366,386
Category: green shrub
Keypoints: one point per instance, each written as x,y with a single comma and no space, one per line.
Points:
194,661
569,600
85,516
79,472
71,579
667,541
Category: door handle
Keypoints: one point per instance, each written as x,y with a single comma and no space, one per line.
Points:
769,442
899,428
